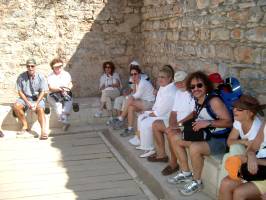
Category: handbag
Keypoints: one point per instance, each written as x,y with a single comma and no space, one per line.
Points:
246,175
190,135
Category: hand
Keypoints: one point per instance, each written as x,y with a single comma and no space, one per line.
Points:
197,125
33,106
152,114
245,142
263,196
252,164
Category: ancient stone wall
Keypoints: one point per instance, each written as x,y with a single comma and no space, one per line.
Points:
85,33
228,36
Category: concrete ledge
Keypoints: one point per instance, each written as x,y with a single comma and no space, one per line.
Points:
150,173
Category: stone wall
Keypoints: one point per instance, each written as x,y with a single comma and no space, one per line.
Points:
85,33
228,36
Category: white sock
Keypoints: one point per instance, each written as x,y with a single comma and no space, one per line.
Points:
186,173
120,118
198,181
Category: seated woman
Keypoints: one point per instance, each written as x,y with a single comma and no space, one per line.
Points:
245,128
160,110
110,85
141,100
200,87
234,188
120,102
60,96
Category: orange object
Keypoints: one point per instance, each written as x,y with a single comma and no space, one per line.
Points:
232,165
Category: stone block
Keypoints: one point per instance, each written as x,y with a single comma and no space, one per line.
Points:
256,34
237,34
201,4
243,54
239,16
224,52
220,34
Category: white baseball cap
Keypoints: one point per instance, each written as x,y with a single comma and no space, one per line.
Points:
134,63
180,76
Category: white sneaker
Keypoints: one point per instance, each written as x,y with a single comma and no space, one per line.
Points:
139,148
147,154
134,141
98,114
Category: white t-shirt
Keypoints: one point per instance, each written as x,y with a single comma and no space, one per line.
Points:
184,104
164,100
262,151
253,131
144,91
61,80
106,80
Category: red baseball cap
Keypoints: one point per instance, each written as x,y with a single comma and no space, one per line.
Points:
216,78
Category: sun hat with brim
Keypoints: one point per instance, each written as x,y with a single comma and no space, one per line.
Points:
134,63
247,102
31,62
180,76
59,64
216,78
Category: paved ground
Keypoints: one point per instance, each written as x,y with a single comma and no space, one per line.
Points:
78,166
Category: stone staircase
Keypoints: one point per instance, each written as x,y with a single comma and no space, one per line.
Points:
147,172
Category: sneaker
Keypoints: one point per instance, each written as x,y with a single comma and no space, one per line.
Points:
191,187
139,148
66,127
179,178
98,114
147,154
118,124
134,141
127,132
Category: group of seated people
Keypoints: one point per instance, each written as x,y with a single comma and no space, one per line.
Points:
33,90
196,123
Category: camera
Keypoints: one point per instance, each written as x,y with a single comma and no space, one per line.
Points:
34,98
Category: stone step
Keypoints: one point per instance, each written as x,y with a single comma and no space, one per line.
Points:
150,173
85,116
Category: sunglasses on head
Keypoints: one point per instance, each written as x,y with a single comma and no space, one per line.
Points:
198,85
30,66
133,74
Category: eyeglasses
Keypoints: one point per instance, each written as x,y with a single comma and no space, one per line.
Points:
134,74
198,85
162,77
107,67
30,66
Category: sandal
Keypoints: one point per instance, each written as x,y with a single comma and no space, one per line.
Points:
44,137
169,170
154,158
1,134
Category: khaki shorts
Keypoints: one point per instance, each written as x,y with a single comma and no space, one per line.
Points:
147,105
261,185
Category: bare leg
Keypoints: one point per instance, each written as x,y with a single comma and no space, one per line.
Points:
41,119
172,137
130,115
180,150
18,108
246,191
158,129
227,187
197,151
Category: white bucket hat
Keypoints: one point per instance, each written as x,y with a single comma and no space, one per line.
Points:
180,76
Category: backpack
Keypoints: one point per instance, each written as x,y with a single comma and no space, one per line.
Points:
228,92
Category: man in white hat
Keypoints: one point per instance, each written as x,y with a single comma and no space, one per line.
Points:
183,107
31,87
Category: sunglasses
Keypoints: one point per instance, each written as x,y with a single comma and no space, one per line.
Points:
198,85
30,66
134,74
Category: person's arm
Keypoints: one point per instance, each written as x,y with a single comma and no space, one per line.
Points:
233,138
224,120
25,99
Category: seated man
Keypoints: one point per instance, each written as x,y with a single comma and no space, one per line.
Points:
142,99
31,88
